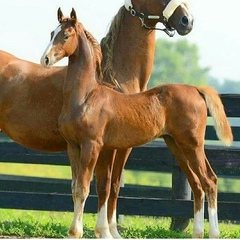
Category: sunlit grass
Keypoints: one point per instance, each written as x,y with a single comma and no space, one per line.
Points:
41,224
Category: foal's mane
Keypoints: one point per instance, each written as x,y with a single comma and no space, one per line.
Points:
93,42
108,44
96,49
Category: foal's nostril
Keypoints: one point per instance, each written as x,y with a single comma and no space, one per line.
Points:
184,21
46,60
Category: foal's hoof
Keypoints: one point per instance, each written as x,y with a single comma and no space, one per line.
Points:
214,234
75,234
114,232
102,233
197,235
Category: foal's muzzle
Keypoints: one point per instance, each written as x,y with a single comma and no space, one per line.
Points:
46,60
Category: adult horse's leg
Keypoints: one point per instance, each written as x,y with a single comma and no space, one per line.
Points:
118,166
82,165
103,181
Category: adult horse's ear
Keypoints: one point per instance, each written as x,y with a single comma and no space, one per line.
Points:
60,15
73,15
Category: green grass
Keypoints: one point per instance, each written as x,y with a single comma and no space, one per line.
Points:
26,224
36,224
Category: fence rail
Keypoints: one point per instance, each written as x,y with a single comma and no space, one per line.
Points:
18,192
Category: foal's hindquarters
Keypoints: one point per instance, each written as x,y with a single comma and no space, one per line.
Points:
186,142
181,120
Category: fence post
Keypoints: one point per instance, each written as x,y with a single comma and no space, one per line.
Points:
180,190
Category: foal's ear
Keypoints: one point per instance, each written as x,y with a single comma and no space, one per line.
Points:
60,15
73,15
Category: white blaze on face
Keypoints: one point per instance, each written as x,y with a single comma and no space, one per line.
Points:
128,4
49,47
171,7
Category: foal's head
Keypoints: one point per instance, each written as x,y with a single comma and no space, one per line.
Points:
64,41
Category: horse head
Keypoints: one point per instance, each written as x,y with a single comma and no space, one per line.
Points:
173,14
62,40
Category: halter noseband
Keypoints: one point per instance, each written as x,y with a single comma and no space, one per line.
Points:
167,13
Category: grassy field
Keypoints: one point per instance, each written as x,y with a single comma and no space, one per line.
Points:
23,224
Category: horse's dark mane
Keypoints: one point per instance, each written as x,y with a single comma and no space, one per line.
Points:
108,44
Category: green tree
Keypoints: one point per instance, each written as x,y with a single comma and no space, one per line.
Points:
177,62
228,86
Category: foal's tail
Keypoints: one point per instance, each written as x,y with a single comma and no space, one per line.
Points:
216,109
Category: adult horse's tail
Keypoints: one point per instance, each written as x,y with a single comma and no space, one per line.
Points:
216,109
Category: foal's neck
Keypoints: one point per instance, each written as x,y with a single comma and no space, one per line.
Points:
81,78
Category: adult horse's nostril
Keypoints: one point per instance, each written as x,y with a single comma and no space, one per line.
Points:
46,60
184,21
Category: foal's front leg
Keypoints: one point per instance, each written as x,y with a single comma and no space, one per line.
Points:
76,228
82,170
103,179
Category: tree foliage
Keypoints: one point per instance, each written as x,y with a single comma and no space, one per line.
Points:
177,62
228,86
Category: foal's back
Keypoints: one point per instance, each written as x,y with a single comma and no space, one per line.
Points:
135,119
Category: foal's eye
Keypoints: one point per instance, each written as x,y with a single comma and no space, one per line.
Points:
66,37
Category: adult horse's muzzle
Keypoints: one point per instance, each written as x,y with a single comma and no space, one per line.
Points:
181,20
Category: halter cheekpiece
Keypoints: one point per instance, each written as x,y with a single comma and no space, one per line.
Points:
168,11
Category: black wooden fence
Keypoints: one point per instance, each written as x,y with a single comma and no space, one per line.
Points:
18,192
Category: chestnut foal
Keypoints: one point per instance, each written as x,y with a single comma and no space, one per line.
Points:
94,117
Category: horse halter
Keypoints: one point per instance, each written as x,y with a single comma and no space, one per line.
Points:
166,14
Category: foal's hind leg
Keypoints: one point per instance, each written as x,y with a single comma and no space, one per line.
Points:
201,177
103,180
198,193
211,194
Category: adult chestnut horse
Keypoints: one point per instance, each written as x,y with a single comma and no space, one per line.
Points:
95,116
30,119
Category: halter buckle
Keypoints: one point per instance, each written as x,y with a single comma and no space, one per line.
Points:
133,12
